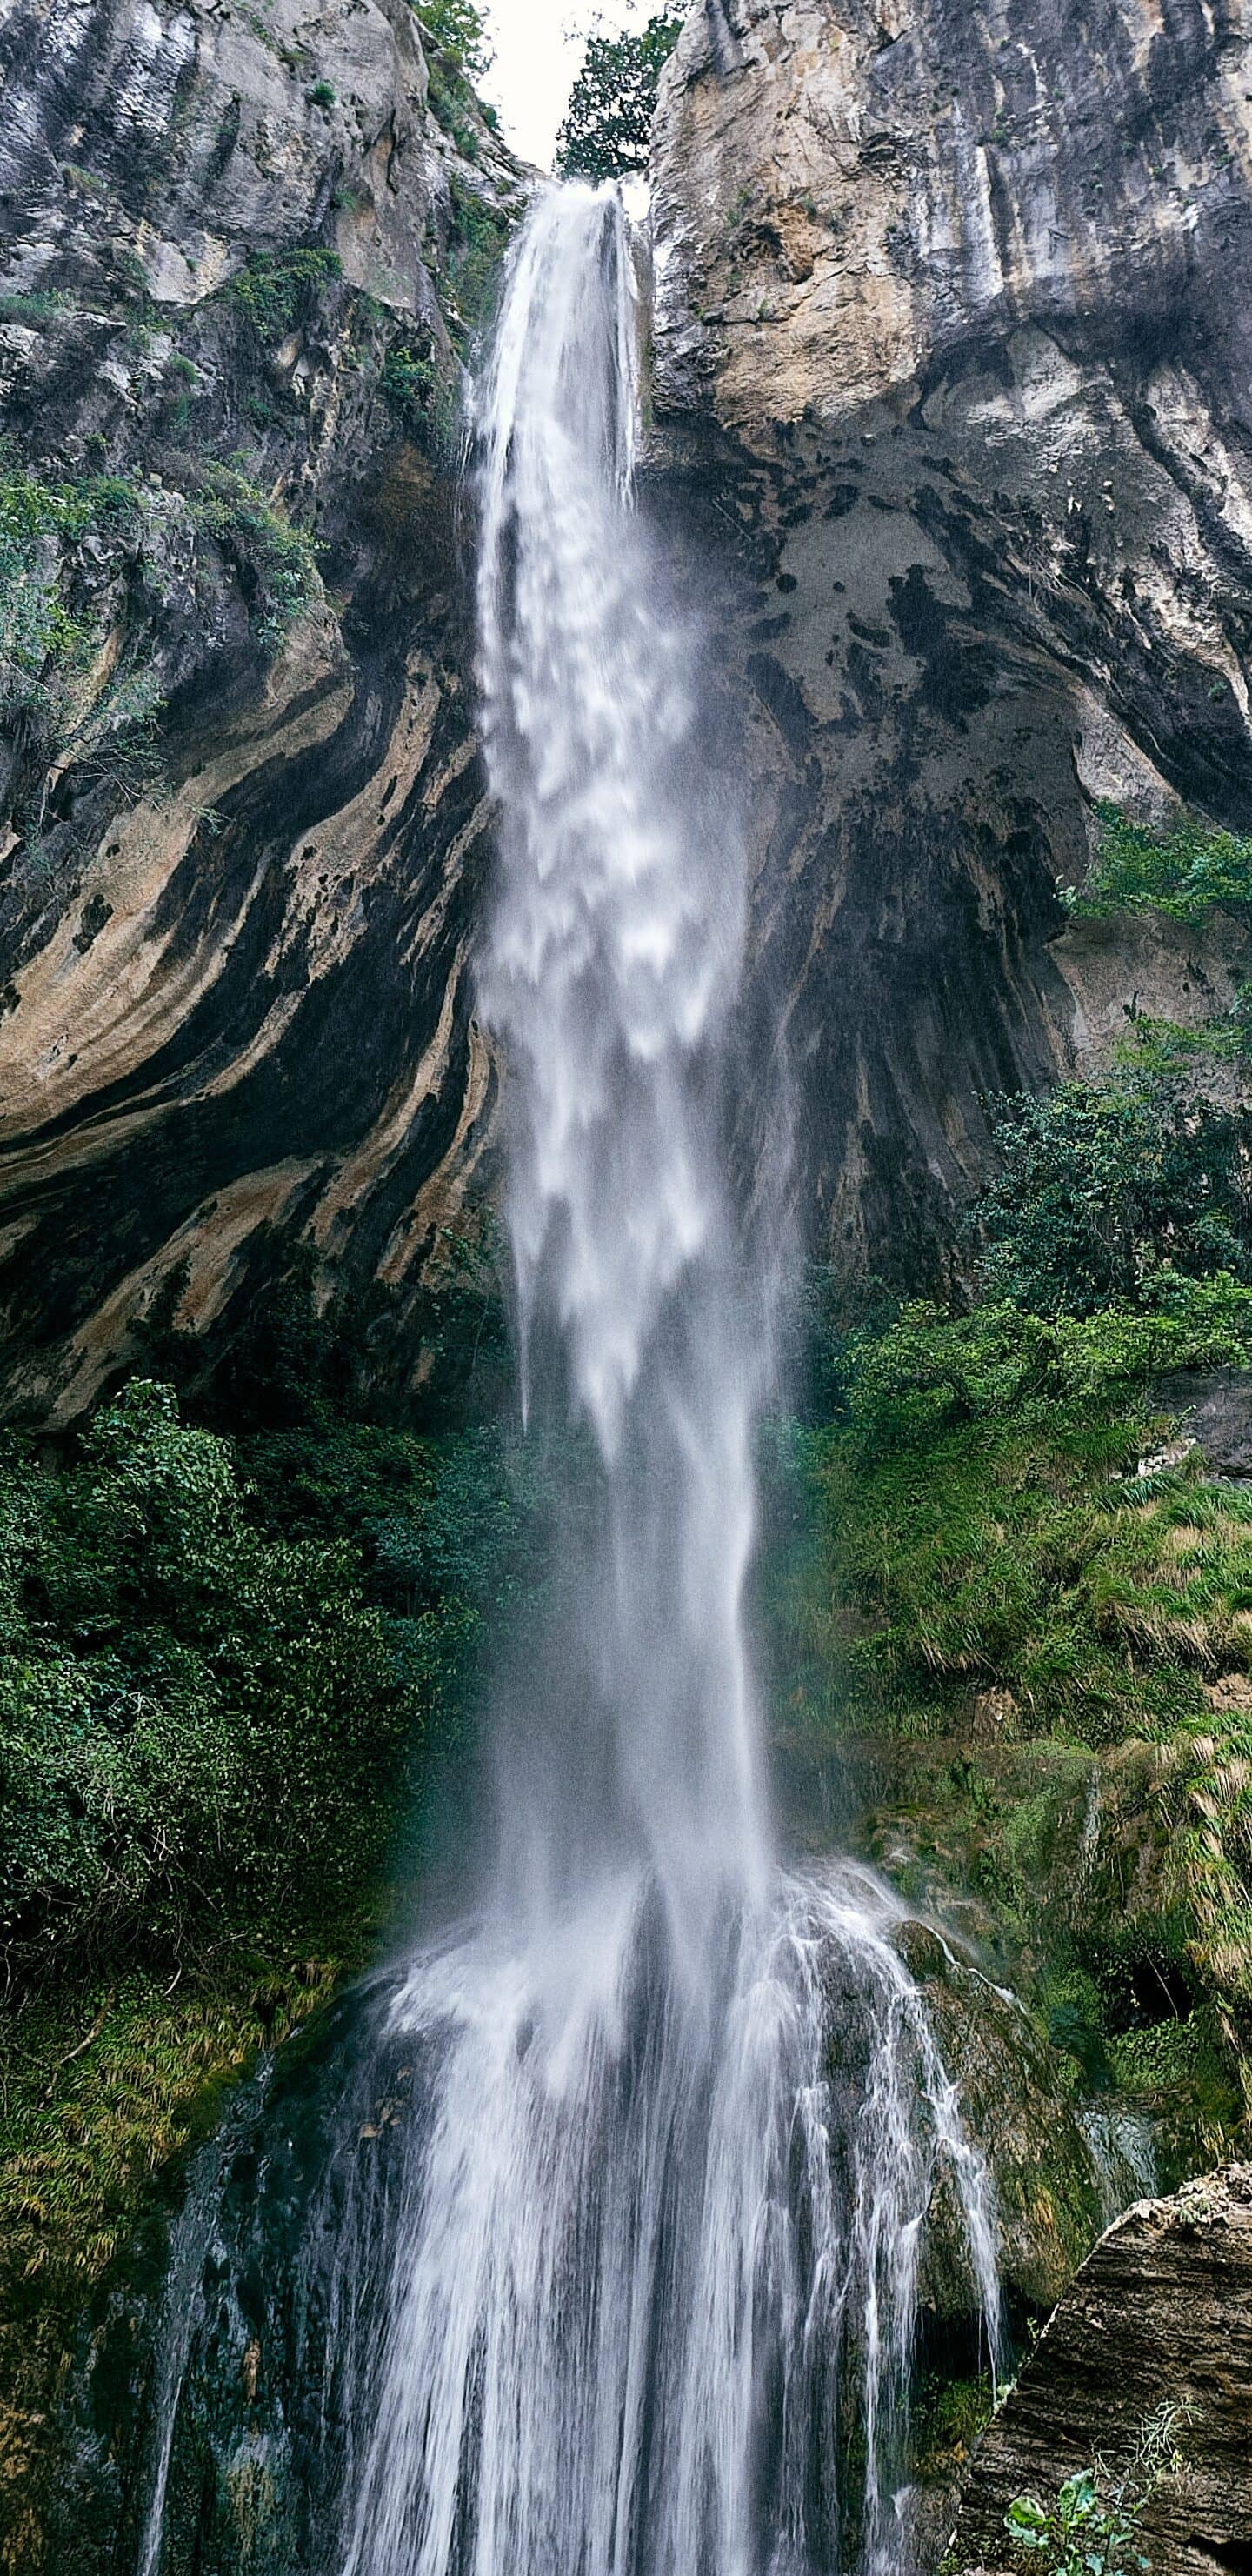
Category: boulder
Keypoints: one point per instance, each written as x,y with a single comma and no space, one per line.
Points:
1160,2315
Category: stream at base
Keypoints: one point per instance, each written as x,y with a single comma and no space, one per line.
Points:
596,2249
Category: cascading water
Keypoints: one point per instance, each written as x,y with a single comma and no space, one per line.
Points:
657,2265
625,2282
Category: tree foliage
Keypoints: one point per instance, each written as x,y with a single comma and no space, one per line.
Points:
220,1685
458,25
608,122
1184,869
1103,1181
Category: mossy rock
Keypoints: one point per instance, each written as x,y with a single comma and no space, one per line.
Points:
1018,2106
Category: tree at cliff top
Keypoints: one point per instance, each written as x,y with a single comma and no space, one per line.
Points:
608,123
458,26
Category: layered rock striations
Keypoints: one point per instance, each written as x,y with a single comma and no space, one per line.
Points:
955,372
1158,2319
953,437
243,251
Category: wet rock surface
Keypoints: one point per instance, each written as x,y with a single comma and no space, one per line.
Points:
943,346
1160,2314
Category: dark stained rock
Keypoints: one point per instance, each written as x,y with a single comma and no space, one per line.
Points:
1216,1412
1159,2315
960,408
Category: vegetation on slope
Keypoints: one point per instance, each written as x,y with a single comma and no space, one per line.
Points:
1018,1553
1184,869
237,1680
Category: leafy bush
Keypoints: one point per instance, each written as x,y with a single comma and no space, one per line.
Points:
1185,869
41,639
986,1522
930,1372
277,560
1101,1181
608,122
408,378
272,292
212,1692
1093,2527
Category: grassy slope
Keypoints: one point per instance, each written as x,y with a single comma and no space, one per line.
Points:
1009,1571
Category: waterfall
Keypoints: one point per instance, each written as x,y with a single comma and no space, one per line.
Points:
656,2274
613,2265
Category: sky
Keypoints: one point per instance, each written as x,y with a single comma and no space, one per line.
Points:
538,52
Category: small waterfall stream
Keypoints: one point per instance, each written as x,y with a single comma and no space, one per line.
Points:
609,2265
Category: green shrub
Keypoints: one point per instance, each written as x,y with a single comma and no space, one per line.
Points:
322,94
1102,1181
277,560
214,1688
1092,2529
50,637
272,292
408,379
40,637
1185,869
477,243
457,26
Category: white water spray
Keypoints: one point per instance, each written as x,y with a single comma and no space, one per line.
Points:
655,2285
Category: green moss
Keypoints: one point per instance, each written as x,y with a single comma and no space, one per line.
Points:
101,2085
949,2415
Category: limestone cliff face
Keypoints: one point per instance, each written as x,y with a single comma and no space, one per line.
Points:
951,331
241,251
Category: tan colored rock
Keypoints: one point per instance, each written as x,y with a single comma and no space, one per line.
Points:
235,1018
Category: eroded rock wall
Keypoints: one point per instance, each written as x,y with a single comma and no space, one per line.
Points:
243,251
953,360
1158,2317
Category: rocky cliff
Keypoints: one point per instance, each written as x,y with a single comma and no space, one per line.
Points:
243,251
956,392
1159,2316
953,439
